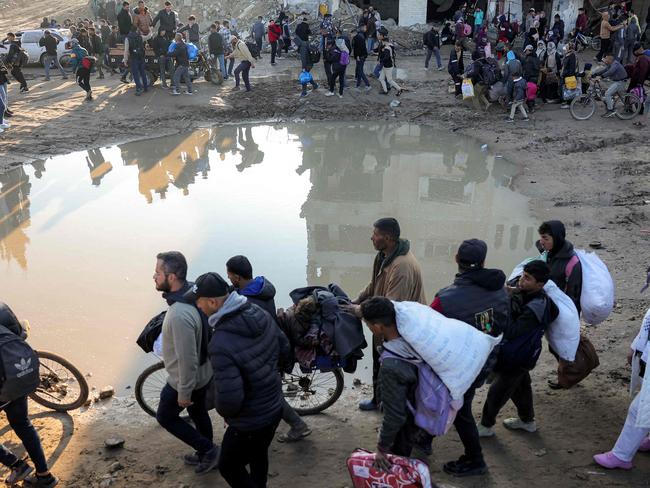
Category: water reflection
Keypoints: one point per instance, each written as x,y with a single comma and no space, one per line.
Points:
299,200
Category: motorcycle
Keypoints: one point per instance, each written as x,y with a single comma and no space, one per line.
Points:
206,67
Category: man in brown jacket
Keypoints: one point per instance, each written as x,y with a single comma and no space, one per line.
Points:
396,275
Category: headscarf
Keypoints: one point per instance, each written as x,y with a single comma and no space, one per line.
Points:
340,43
510,56
550,52
541,49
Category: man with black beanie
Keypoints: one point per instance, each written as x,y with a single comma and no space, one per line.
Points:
478,298
396,275
531,312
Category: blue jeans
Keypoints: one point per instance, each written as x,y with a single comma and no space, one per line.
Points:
139,74
377,70
359,75
435,51
231,65
243,68
4,103
19,421
222,64
370,44
168,416
47,60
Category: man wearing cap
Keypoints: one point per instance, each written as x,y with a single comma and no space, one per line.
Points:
184,345
261,292
396,275
478,298
244,352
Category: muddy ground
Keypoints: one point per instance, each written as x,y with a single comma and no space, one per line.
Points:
593,175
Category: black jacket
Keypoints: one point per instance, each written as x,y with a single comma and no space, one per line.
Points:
386,56
192,32
303,31
215,43
261,292
478,298
160,45
431,39
531,68
569,65
50,43
359,46
456,67
180,54
167,21
124,22
97,46
244,351
558,258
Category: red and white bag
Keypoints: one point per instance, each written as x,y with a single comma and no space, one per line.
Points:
404,473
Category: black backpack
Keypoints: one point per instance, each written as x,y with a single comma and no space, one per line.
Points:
19,365
252,47
314,53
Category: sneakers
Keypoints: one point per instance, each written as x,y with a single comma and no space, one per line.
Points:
564,105
175,92
509,120
329,94
465,467
440,68
399,92
138,93
645,445
484,431
189,93
368,405
89,96
48,481
4,125
526,119
295,434
518,424
368,88
610,461
24,89
47,79
339,95
208,461
608,114
19,471
192,459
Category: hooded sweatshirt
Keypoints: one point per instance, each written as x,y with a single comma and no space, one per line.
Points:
477,297
244,352
558,258
182,337
397,277
261,292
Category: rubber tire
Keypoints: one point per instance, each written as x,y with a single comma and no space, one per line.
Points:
632,98
41,61
83,385
138,386
575,101
595,43
332,400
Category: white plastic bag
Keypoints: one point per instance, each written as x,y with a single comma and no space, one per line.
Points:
597,297
519,269
467,88
563,334
456,351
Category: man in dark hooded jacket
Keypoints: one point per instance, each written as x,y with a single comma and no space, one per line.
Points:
566,270
478,298
244,352
261,292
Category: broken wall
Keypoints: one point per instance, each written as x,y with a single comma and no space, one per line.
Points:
412,12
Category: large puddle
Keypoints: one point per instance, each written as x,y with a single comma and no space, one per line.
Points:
79,233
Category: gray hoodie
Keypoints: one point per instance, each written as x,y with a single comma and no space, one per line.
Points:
181,345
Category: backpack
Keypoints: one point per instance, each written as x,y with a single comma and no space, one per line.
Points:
488,74
19,365
434,409
150,333
522,351
252,47
344,59
314,53
88,62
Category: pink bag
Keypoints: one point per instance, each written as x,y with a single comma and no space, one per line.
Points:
404,472
531,91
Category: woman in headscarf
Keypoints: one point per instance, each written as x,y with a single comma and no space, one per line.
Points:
482,42
551,65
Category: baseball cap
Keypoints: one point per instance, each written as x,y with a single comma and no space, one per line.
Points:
472,252
208,285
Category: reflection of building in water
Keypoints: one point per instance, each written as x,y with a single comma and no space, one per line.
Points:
175,160
442,191
14,215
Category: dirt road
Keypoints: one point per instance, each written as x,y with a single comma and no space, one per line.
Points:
592,175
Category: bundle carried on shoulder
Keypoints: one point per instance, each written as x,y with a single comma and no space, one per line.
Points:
455,350
563,334
597,297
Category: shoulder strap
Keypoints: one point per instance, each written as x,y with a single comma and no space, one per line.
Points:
570,265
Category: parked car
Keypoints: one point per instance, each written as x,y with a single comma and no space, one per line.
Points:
29,40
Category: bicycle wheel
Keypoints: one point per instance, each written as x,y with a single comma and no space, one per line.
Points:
595,43
628,106
582,107
148,387
62,387
311,393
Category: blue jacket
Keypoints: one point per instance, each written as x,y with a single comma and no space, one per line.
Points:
261,292
79,53
244,352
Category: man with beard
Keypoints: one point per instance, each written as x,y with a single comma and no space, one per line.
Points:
396,275
184,345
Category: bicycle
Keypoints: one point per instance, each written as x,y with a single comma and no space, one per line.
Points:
583,107
308,392
62,387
